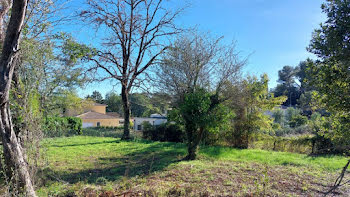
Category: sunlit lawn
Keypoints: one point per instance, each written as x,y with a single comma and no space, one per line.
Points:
96,164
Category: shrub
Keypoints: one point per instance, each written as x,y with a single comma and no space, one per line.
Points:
298,120
75,125
300,130
62,126
164,132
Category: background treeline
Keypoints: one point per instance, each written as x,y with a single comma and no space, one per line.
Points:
141,104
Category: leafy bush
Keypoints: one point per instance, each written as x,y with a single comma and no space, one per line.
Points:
75,125
300,130
291,112
164,132
298,120
62,126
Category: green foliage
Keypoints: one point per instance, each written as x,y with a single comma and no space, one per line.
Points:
73,50
287,85
337,131
292,112
309,102
144,104
194,109
331,40
96,96
332,80
331,73
278,116
249,106
298,120
165,132
75,125
113,102
199,112
141,104
62,126
67,103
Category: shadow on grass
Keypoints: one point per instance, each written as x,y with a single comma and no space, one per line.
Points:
85,144
140,162
108,132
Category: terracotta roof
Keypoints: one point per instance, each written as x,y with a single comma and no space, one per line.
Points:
99,104
115,114
95,115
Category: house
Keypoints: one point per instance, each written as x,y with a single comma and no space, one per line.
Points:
154,119
97,117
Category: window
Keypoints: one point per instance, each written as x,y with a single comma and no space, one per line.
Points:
98,124
138,127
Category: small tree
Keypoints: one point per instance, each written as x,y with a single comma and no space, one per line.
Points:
195,71
250,101
200,111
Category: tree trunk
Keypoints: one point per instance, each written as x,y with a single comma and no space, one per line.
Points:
126,109
13,154
193,142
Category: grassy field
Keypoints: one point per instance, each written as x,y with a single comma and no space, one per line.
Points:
105,166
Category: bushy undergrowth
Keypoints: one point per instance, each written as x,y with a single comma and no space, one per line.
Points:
164,133
62,126
287,131
300,144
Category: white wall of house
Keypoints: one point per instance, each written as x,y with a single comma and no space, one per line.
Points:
87,124
153,121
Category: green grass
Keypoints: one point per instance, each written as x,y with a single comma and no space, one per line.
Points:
329,162
103,162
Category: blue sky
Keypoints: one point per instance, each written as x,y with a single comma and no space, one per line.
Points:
273,32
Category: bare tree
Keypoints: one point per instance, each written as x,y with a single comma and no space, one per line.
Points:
197,60
137,32
14,157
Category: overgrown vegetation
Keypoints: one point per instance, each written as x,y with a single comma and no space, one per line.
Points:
62,126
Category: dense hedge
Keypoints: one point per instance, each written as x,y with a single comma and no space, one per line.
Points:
163,132
62,126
